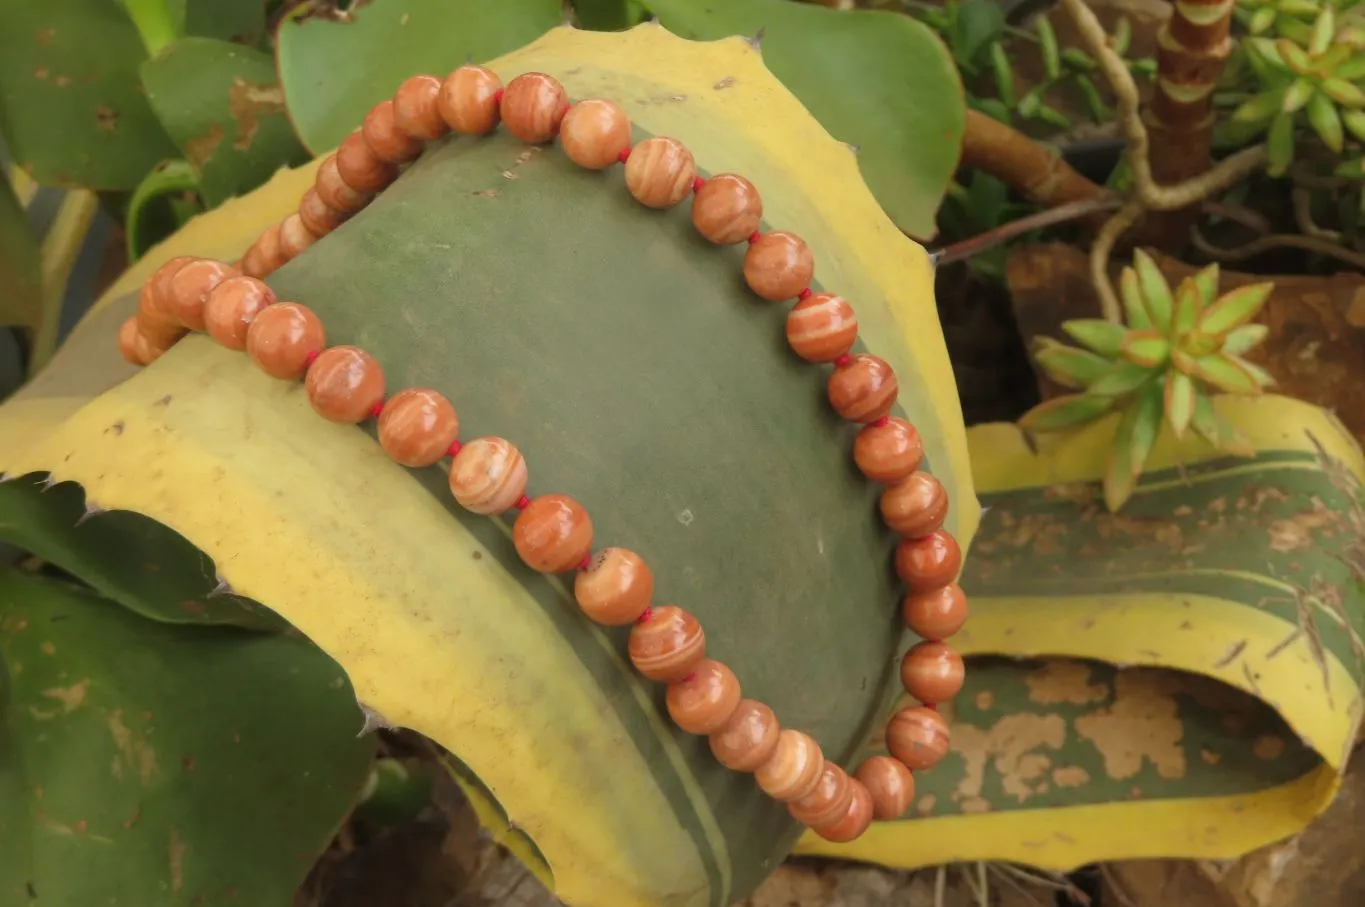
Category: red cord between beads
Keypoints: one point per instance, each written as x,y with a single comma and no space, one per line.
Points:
497,96
690,677
931,706
522,503
754,236
376,409
878,423
645,615
311,358
697,184
586,562
804,294
624,155
843,360
454,448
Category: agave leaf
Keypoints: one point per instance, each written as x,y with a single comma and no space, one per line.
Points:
1187,308
1065,412
1354,120
1296,95
1179,402
1103,337
1133,309
1183,361
1263,377
1148,349
1260,108
1156,293
1343,92
1235,308
1323,28
1280,144
1219,432
1070,366
1226,374
1326,122
1243,338
1121,378
1295,57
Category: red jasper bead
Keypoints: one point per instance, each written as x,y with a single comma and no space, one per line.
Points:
932,672
667,644
918,737
863,389
822,327
936,613
928,562
916,506
888,451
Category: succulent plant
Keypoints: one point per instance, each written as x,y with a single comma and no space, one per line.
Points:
1176,348
1318,75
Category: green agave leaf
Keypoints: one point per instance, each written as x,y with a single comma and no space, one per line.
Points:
1148,349
223,107
1296,95
161,204
605,15
1322,116
1122,378
1280,144
1179,401
1344,92
71,108
1354,121
1241,339
1206,280
172,764
1226,374
828,58
1156,293
1070,366
1103,337
1295,57
1131,293
1235,308
1323,28
1263,377
1216,430
21,281
1065,412
1261,107
1188,303
1136,432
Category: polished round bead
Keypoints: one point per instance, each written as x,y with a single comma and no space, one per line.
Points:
793,770
360,167
553,533
778,265
130,342
936,613
748,738
335,193
594,133
415,109
154,298
727,209
667,644
889,451
319,217
265,255
932,672
152,349
659,172
864,389
283,337
469,100
918,737
294,237
532,107
821,327
389,143
417,427
488,476
190,289
915,506
929,562
232,307
854,821
345,384
890,785
705,699
616,588
829,800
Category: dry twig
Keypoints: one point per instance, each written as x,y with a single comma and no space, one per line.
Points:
1278,241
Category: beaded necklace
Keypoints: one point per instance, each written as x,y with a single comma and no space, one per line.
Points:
552,533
